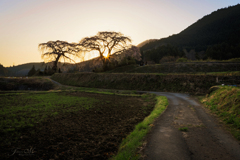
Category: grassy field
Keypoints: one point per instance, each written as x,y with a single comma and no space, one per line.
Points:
225,102
25,109
74,122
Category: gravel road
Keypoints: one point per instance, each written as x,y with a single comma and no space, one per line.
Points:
205,139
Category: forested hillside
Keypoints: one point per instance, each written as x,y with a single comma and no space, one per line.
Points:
217,34
3,71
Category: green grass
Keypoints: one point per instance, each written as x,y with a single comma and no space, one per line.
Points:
128,147
184,129
225,102
101,91
22,110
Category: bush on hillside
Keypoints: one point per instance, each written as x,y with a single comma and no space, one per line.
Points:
127,61
234,60
182,60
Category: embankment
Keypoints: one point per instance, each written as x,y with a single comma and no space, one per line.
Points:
24,83
194,84
225,102
184,67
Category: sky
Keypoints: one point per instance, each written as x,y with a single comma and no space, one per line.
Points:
26,23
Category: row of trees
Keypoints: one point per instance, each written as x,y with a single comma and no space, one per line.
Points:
47,71
158,53
105,43
223,51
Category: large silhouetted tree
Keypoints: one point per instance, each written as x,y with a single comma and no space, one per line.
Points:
105,43
58,50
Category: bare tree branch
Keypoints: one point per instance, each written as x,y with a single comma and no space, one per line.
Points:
56,50
105,42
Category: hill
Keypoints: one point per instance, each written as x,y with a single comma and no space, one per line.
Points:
145,42
217,35
3,71
23,69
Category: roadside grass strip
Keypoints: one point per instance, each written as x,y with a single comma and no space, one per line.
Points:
225,102
100,91
129,146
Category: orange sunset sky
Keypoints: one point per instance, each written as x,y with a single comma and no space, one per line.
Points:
26,23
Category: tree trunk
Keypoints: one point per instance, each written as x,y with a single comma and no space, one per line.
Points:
54,68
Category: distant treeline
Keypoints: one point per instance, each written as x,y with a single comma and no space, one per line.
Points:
160,52
3,70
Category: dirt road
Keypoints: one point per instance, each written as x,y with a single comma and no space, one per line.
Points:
205,138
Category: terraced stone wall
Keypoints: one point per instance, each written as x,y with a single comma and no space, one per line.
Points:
194,84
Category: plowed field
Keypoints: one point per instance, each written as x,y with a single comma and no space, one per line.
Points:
93,132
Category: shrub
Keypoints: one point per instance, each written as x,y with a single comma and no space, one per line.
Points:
184,129
182,60
234,60
127,61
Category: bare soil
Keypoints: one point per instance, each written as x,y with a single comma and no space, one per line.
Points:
205,139
87,134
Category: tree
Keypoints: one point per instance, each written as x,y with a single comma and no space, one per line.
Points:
58,50
32,71
131,53
45,71
105,43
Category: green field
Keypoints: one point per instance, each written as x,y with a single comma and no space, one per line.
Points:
74,116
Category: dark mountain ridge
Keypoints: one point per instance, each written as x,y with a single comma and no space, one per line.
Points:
221,27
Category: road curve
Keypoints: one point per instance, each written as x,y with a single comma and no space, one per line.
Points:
205,138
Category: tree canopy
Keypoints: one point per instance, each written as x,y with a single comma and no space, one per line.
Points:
58,50
106,43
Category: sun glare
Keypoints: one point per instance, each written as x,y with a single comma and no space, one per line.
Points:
105,54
